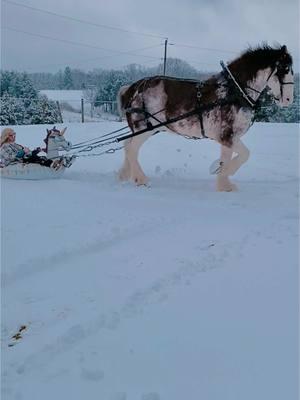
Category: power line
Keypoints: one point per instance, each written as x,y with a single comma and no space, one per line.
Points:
112,28
204,48
88,60
188,60
117,28
200,63
81,44
82,21
147,63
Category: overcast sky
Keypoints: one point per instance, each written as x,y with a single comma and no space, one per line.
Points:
35,41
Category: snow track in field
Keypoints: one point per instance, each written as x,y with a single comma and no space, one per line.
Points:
168,292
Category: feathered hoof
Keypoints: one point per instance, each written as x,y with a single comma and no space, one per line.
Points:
124,175
140,180
224,185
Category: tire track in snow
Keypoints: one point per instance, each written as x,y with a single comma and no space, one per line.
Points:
135,304
59,259
154,293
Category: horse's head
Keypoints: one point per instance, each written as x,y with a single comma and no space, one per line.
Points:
281,82
55,140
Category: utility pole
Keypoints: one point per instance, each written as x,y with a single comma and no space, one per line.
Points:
165,55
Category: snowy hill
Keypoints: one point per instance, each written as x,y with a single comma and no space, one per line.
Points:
173,292
64,95
70,103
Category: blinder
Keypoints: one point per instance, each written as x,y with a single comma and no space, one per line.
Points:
282,69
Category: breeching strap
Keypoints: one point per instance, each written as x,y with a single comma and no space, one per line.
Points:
197,110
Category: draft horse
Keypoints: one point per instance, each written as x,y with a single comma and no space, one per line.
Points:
220,108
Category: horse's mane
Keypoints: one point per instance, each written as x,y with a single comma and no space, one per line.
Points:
259,57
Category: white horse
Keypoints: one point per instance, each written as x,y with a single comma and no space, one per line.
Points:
55,141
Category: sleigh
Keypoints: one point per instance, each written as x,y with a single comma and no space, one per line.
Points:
55,142
30,172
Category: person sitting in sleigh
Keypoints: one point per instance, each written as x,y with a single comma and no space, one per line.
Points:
10,151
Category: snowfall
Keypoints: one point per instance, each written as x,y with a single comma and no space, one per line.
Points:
167,292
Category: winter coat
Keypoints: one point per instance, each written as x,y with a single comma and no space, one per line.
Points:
10,152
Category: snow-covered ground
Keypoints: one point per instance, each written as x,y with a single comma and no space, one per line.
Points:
171,292
73,99
70,98
64,95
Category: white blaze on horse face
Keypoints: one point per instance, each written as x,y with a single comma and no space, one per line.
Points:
274,86
288,89
283,93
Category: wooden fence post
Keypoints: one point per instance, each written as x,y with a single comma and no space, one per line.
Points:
82,110
59,111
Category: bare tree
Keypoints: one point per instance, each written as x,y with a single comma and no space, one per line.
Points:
90,94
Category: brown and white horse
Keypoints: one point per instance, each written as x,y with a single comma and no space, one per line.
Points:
220,108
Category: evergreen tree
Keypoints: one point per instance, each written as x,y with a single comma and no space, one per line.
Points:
12,110
67,80
268,111
60,80
109,90
17,85
263,111
44,112
20,103
7,115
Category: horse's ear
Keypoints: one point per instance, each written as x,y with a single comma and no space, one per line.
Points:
283,49
63,131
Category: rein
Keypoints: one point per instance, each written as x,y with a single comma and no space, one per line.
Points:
107,139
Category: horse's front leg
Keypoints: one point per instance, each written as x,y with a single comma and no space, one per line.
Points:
132,150
230,165
242,156
223,182
124,173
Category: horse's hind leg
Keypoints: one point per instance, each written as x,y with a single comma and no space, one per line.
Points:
131,164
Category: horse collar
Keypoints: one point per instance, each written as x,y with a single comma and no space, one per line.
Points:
246,97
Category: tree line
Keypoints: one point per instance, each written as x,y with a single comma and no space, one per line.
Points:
20,92
102,85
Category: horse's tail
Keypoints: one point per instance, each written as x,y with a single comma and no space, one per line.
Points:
122,100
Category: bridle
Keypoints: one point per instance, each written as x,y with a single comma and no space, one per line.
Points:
278,68
282,70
